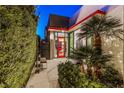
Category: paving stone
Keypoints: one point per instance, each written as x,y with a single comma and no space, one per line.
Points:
46,78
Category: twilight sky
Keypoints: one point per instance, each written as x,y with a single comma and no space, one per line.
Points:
44,10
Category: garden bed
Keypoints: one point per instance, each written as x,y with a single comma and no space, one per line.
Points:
71,77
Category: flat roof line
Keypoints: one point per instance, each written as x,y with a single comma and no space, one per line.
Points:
96,12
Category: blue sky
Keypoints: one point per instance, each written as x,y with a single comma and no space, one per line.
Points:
44,10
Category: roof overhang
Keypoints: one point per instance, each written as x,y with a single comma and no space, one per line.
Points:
73,27
55,29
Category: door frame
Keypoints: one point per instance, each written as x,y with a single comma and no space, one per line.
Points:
59,49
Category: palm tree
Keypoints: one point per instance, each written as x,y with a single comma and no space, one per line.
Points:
88,56
98,25
81,54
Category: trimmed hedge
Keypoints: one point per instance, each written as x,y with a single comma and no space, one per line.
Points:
70,77
17,44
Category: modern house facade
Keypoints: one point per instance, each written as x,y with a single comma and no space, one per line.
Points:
62,33
58,37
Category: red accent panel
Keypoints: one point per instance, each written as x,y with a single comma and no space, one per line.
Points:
58,28
59,55
96,12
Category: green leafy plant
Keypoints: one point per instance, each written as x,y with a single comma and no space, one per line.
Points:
81,54
70,77
85,82
91,57
17,44
101,24
68,74
111,77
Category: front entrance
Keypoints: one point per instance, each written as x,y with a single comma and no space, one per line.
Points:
61,47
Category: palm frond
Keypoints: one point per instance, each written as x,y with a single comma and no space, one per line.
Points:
90,55
101,24
81,53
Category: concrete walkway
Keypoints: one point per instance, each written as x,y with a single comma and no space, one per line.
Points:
47,78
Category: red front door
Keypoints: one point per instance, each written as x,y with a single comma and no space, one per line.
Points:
61,47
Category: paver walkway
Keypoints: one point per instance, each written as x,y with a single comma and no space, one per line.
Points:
47,78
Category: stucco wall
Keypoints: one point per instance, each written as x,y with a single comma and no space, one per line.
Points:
87,10
114,45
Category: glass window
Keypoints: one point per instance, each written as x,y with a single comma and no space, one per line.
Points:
89,41
84,41
55,44
60,34
71,42
56,34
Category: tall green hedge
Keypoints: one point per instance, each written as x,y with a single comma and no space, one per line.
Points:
17,44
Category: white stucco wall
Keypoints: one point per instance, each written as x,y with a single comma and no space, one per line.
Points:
87,10
83,12
113,45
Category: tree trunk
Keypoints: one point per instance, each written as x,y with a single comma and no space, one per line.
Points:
97,43
97,51
89,71
97,40
96,72
81,68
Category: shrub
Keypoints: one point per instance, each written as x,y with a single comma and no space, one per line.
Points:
70,77
111,77
68,74
85,82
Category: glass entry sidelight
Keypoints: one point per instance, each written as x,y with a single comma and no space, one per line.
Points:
61,47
